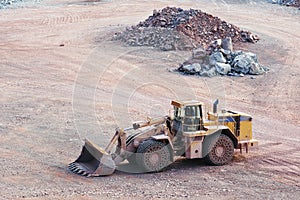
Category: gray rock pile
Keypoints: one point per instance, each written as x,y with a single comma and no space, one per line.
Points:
294,3
220,59
174,28
165,39
5,3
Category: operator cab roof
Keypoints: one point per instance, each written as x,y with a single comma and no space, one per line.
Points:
184,103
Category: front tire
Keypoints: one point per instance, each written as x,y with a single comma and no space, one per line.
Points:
132,159
153,156
220,150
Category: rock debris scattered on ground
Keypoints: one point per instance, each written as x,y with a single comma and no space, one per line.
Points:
176,29
220,59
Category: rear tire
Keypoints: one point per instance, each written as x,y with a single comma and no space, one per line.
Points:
220,150
153,156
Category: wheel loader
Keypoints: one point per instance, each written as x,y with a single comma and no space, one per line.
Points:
188,132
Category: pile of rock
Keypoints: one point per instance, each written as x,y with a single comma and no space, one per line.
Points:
294,3
174,28
5,3
165,39
220,59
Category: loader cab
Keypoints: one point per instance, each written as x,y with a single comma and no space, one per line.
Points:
188,114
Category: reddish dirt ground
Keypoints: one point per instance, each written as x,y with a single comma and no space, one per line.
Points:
62,80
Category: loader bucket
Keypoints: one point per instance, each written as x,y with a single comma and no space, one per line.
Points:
93,161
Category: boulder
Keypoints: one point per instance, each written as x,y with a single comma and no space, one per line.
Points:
246,63
209,73
236,53
227,44
216,43
190,69
252,55
223,68
216,57
242,63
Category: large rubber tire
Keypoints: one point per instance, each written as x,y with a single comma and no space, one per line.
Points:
220,150
132,159
153,156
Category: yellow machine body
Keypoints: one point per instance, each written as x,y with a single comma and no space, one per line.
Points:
189,132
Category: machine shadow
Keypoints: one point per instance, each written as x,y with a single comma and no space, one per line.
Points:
179,164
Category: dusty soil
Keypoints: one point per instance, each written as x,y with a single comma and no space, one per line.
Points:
62,80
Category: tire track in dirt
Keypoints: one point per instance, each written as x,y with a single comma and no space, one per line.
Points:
282,88
276,153
66,18
284,164
282,167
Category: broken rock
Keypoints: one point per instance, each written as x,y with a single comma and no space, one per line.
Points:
242,63
247,63
217,57
227,44
223,68
190,69
176,29
209,73
256,69
217,61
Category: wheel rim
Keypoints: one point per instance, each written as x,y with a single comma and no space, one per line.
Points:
222,151
219,151
156,158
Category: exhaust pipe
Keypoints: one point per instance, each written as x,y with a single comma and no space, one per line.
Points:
215,106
